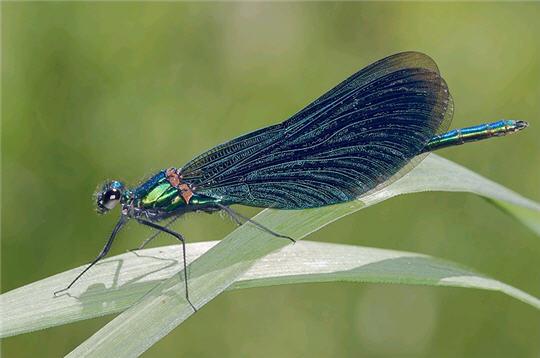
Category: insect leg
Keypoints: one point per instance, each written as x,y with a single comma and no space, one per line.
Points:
104,251
156,234
182,240
237,217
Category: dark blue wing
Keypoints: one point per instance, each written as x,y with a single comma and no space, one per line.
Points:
349,141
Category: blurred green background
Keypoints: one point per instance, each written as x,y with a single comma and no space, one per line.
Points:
95,91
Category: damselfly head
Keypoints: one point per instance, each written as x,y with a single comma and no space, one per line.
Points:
109,196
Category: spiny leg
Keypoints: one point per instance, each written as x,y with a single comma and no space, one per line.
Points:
104,251
237,217
182,240
154,235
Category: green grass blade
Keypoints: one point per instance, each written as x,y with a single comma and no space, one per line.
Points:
131,276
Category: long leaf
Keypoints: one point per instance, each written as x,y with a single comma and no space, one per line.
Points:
130,276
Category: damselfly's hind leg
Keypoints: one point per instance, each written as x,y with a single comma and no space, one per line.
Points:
241,219
183,241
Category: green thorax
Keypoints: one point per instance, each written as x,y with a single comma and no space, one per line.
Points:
157,193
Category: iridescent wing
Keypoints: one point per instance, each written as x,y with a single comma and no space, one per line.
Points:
362,134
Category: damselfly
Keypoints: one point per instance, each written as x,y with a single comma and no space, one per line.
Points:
360,136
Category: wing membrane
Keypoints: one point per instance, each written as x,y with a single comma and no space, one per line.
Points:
351,140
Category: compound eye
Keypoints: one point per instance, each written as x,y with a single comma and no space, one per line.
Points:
111,198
